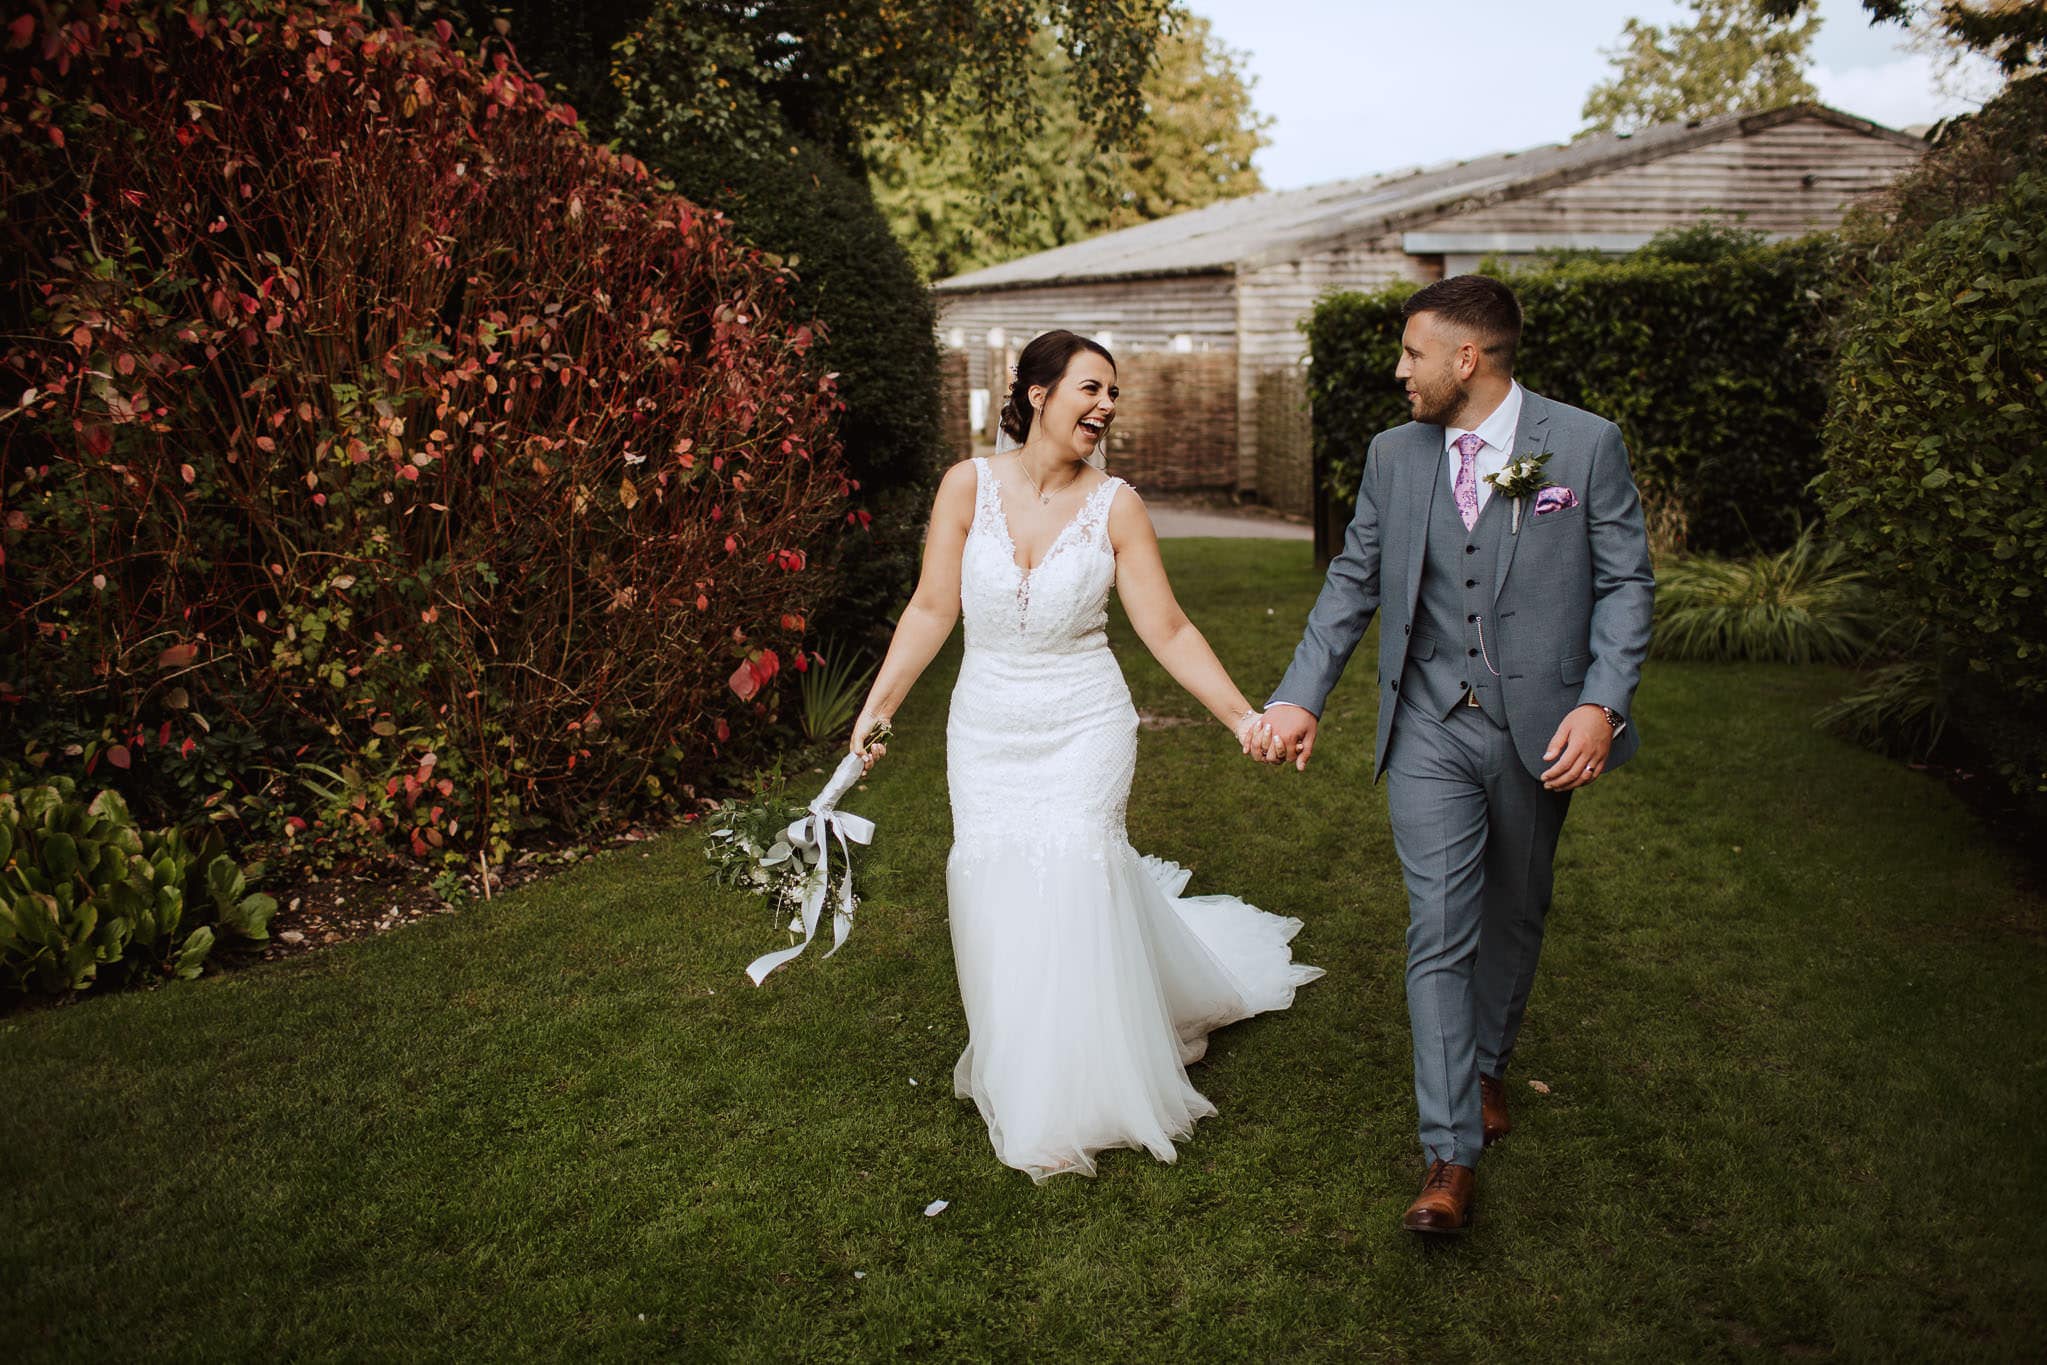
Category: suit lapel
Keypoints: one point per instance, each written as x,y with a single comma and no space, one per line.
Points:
1424,471
1531,438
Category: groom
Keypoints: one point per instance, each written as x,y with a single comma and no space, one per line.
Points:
1516,621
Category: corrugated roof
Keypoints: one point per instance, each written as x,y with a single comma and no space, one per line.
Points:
1279,224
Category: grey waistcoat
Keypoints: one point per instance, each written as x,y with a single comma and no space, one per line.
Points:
1447,655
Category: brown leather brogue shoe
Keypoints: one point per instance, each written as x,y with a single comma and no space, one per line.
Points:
1492,1103
1444,1205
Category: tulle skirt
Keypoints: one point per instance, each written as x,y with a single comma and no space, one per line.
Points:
1090,983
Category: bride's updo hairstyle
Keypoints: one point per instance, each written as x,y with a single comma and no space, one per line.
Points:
1043,362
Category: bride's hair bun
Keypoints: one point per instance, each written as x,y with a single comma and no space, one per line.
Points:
1015,409
1042,365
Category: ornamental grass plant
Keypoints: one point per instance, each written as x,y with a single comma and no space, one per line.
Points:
1805,604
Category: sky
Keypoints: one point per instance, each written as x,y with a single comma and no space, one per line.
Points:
1357,87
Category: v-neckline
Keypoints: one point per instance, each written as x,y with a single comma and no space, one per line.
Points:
1009,535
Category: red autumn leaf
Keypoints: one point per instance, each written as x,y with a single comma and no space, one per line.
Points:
722,730
744,682
792,621
185,749
22,31
118,756
187,472
177,656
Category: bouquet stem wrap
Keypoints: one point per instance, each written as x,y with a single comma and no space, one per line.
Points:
814,834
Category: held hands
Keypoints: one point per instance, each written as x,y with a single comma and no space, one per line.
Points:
1285,734
1577,752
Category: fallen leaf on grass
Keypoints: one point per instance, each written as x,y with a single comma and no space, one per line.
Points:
934,1208
1538,1087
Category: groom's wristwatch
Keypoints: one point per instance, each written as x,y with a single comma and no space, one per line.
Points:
1614,719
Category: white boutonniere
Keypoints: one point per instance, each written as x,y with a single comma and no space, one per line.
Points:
1521,479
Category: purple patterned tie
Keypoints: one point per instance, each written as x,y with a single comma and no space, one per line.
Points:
1466,487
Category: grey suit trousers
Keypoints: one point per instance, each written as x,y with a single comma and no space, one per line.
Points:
1476,834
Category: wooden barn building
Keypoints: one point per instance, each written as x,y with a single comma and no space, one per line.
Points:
1230,283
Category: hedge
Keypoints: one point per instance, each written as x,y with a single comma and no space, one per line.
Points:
1937,460
1715,371
385,463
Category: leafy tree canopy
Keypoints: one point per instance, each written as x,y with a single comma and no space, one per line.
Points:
2011,32
838,73
1734,55
1194,147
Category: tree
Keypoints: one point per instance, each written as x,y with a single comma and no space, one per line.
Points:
1735,55
2013,33
1195,146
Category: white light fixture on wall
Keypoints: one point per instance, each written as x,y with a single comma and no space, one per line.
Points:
996,338
956,338
1182,343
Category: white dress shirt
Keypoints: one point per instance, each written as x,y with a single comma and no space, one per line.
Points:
1497,431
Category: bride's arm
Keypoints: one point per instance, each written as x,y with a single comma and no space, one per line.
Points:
1172,639
934,607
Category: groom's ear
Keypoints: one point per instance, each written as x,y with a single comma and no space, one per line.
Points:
1469,355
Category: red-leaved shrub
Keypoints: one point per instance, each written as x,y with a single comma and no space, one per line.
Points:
374,446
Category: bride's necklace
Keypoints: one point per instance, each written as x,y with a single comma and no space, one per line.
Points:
1044,498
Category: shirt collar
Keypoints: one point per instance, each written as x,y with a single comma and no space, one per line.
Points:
1497,430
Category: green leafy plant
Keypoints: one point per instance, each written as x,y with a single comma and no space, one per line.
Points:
1935,475
84,891
832,690
1806,604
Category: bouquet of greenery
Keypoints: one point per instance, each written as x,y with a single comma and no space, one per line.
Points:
783,853
748,847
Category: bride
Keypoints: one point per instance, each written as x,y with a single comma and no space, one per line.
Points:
1089,982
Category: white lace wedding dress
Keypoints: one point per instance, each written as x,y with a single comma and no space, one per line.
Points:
1089,981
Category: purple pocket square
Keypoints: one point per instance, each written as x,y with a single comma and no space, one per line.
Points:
1554,500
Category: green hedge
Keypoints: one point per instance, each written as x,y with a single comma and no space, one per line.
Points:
1934,460
1715,371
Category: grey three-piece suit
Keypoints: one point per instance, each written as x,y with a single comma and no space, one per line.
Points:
1527,625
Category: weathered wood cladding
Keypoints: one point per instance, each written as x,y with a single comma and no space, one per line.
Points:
1138,315
1795,178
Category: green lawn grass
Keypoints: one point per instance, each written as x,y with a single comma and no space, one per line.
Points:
1790,1014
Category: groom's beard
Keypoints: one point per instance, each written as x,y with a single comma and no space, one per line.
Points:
1437,405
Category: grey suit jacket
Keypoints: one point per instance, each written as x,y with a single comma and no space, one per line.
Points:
1571,617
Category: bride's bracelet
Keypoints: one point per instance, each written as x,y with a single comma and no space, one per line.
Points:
1244,724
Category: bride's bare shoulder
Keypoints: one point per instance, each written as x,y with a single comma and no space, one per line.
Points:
1128,517
955,499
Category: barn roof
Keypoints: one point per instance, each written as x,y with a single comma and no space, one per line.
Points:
1281,225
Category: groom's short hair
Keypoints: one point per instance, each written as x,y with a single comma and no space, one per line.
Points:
1478,303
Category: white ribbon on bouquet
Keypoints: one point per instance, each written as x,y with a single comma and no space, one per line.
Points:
810,839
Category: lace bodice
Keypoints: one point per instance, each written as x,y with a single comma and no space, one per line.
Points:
1062,605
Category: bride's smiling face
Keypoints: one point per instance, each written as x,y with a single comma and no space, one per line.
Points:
1074,414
